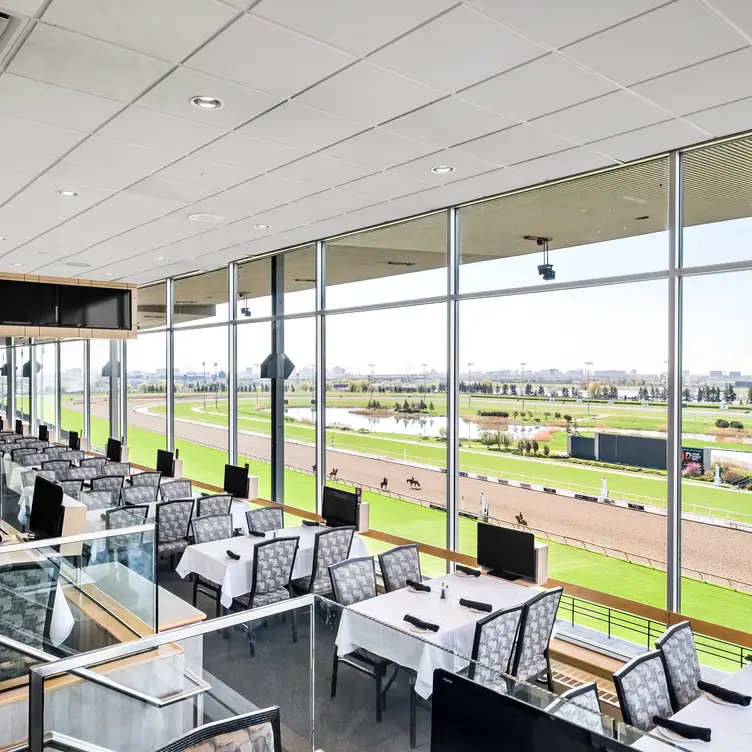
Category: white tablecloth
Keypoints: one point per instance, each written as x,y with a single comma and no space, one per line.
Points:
731,725
378,624
210,559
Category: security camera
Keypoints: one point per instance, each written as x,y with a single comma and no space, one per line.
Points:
246,312
547,272
546,269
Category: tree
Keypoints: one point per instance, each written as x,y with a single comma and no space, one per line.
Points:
528,390
557,416
686,395
541,391
749,395
430,406
521,446
528,446
535,446
506,439
487,438
565,392
546,450
546,415
722,423
737,424
513,389
505,390
515,414
729,393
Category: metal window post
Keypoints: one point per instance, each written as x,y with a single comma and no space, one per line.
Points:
123,378
278,378
86,388
169,367
114,371
452,385
320,370
32,388
674,388
58,393
232,368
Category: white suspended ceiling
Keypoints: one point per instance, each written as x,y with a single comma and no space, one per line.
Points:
335,112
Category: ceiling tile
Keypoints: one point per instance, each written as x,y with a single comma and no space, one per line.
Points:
385,185
118,155
317,169
369,93
726,119
173,190
22,7
516,144
76,174
312,208
230,210
563,164
250,153
276,189
738,12
447,122
456,50
702,86
67,59
37,138
557,23
544,85
488,184
173,95
361,25
654,139
165,29
599,118
55,105
303,127
192,170
26,163
464,163
377,148
265,56
10,184
679,34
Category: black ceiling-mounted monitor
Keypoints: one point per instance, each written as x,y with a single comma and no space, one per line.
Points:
114,450
46,518
507,553
19,427
339,508
44,433
94,307
165,463
28,303
73,441
236,481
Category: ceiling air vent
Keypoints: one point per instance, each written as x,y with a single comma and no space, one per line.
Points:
13,32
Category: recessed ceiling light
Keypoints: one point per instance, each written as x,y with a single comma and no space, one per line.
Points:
442,169
16,264
207,103
66,193
109,274
207,218
2,238
261,227
159,258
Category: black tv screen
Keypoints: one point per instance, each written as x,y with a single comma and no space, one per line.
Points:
44,434
469,716
95,307
236,481
73,440
339,507
28,303
46,518
506,552
165,463
19,427
114,450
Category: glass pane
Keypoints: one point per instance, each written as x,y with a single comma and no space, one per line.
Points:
254,289
5,385
100,370
717,456
602,225
571,368
202,298
403,261
46,369
201,403
22,385
386,417
146,397
718,204
152,306
72,387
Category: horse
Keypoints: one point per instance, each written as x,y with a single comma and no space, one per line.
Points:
521,521
384,484
413,483
333,472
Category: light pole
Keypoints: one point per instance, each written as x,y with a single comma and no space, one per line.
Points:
424,366
216,389
522,369
203,365
370,380
588,363
469,381
258,378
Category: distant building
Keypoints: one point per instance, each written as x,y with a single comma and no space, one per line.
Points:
715,374
609,374
735,374
742,384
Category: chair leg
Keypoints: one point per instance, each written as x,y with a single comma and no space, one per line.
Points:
549,675
389,684
335,667
294,626
195,589
413,712
379,693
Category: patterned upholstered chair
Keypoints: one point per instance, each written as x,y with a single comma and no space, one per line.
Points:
399,565
120,517
581,706
29,457
353,581
17,455
138,494
642,689
538,617
97,462
57,452
265,520
258,731
76,456
83,473
218,504
677,646
28,477
59,467
108,483
120,469
38,445
210,528
98,499
176,489
72,488
146,479
493,646
331,547
173,523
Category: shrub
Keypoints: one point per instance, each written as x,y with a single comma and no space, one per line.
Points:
692,470
722,423
736,424
535,446
729,475
546,450
542,436
492,413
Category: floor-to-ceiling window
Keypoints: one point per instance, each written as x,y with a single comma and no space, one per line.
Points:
71,387
45,382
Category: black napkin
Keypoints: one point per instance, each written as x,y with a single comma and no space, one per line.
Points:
468,570
416,622
310,523
418,586
233,555
683,729
727,695
256,534
477,605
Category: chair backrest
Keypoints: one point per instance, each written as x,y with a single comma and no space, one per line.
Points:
17,455
36,459
38,444
28,478
642,689
682,666
273,562
258,731
146,479
72,488
117,468
82,473
176,489
265,519
120,517
493,645
57,452
219,504
212,527
138,495
107,483
173,520
581,706
353,580
59,467
538,618
399,565
98,499
76,456
331,547
98,462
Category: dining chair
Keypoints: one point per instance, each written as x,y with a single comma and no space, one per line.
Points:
330,547
34,460
98,499
642,690
173,523
97,462
681,664
59,467
581,706
398,565
76,456
72,488
493,646
129,549
85,473
17,455
146,479
353,581
265,519
107,483
211,505
206,529
138,495
176,489
531,658
121,469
